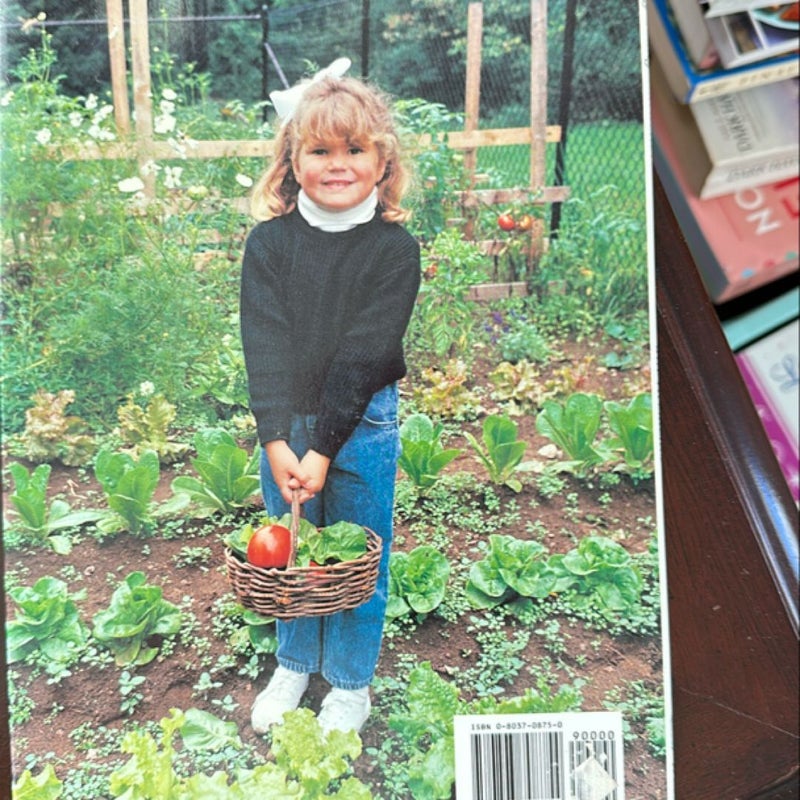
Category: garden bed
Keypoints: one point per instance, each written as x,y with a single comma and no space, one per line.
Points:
75,724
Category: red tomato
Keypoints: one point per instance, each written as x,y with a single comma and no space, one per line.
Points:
506,222
269,546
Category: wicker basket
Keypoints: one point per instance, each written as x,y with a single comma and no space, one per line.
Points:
291,592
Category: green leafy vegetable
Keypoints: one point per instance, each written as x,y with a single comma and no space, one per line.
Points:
501,452
573,427
129,486
37,521
45,786
633,425
426,726
598,573
227,476
148,428
422,457
342,541
136,613
417,581
512,567
47,626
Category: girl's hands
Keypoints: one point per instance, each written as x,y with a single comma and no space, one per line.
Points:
316,467
289,473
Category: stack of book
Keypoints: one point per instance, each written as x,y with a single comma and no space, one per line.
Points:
724,108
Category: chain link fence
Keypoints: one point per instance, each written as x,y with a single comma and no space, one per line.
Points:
417,49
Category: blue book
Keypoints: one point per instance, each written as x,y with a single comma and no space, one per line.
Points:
686,81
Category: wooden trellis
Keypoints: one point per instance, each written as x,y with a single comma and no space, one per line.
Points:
141,145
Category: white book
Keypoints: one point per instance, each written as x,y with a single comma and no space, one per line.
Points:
733,141
717,8
752,36
750,135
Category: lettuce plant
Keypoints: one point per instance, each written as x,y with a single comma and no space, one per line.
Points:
137,613
53,435
40,523
47,626
44,786
226,476
501,452
417,581
633,426
129,487
598,573
512,568
422,457
308,764
426,726
148,428
573,426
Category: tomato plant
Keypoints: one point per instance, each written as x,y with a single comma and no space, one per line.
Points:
269,546
506,222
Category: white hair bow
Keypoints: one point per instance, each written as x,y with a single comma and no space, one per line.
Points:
285,101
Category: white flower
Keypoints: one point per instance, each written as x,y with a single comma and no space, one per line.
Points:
146,388
75,119
244,180
91,102
172,177
101,134
130,185
164,123
44,135
7,98
177,146
103,112
169,94
166,106
149,168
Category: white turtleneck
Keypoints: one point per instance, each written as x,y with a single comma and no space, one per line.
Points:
336,221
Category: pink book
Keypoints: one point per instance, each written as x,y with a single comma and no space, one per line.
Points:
739,241
770,370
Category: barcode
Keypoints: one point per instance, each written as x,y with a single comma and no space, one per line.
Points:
574,756
514,766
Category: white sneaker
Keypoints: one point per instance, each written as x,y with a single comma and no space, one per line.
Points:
345,710
283,693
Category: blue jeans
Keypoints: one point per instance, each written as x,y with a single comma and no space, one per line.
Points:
359,488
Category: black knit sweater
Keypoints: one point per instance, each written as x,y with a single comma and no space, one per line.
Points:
322,319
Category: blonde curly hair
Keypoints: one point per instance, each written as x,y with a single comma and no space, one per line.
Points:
334,108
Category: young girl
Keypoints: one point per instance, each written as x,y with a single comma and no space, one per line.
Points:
329,281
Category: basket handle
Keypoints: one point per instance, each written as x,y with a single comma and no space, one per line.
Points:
294,527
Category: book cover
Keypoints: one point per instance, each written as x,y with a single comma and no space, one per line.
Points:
690,21
739,241
753,36
716,8
770,371
735,140
526,626
746,326
688,82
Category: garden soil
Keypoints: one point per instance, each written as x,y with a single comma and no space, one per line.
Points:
91,696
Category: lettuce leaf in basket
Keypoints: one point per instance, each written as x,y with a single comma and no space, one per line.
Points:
342,541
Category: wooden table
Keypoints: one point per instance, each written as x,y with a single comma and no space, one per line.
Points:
729,522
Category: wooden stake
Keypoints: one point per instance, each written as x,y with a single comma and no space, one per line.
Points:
538,114
142,94
472,95
119,70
